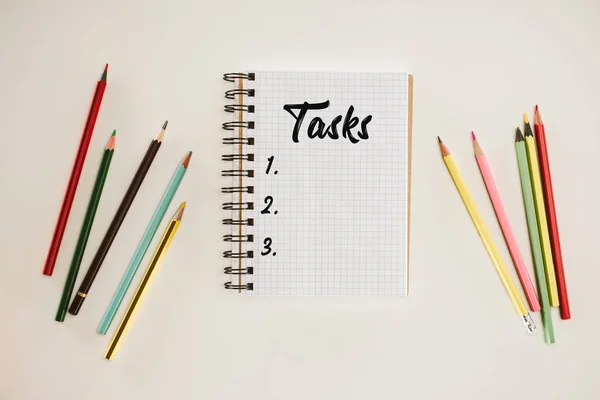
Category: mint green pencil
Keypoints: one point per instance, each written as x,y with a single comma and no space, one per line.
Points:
534,237
144,244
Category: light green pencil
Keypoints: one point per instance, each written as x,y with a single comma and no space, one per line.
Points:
144,244
534,237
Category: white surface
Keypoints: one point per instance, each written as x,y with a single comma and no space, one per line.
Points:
337,223
476,66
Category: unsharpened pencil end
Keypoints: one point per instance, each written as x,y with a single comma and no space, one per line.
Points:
519,135
525,118
529,324
179,214
186,159
60,315
77,303
110,145
110,352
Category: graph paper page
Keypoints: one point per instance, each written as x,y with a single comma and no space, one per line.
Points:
331,215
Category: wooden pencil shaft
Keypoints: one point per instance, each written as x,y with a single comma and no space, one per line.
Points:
534,240
132,308
113,229
540,210
486,238
507,232
84,234
76,170
546,176
143,245
120,214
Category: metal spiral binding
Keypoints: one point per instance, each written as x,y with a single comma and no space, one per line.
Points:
236,271
230,108
243,189
246,222
232,76
247,286
238,155
238,238
249,141
238,172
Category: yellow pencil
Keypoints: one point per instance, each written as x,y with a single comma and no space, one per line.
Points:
160,252
486,238
540,211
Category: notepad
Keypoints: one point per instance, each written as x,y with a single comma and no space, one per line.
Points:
317,168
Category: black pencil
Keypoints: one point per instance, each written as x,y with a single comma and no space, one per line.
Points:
113,229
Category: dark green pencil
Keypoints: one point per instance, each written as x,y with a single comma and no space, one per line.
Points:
86,228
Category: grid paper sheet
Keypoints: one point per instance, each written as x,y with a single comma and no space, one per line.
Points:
338,223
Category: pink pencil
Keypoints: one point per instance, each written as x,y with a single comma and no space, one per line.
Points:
507,231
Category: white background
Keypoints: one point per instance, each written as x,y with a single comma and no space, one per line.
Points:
476,66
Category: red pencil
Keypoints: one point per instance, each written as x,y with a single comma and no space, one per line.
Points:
65,209
565,310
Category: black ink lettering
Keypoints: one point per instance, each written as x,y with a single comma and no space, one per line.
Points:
349,123
269,203
363,134
267,242
300,117
318,128
332,129
270,159
320,125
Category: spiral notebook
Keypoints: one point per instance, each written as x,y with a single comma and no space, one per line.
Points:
318,169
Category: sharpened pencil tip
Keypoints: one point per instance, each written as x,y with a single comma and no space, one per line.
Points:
112,141
179,214
527,131
525,118
186,159
104,73
165,124
537,118
443,148
519,135
161,134
476,146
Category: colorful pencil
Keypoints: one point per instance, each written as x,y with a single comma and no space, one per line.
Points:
559,269
157,258
118,219
486,238
540,211
144,244
509,237
84,143
534,236
86,228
